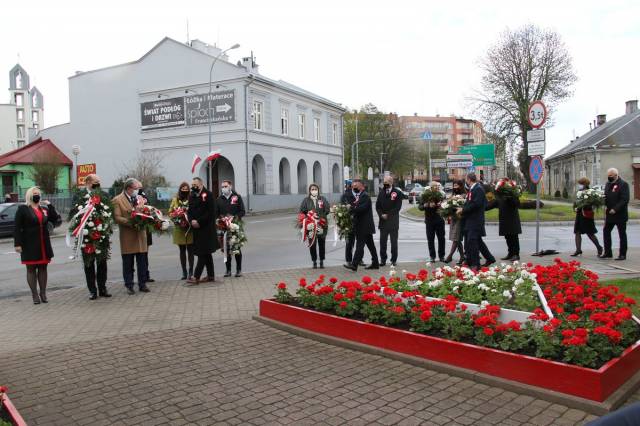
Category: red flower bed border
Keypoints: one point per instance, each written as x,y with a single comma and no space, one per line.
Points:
595,385
11,409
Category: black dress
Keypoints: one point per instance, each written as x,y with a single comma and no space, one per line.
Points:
585,225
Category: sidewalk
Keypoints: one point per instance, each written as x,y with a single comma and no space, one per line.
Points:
192,355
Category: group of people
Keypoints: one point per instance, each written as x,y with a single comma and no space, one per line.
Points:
200,239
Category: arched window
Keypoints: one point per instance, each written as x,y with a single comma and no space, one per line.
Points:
258,174
317,174
335,178
19,80
302,177
284,174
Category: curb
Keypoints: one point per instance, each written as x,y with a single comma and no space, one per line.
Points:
523,223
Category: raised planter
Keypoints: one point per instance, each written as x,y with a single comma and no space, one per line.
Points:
593,385
12,412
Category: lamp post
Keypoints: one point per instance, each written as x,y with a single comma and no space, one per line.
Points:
75,149
209,113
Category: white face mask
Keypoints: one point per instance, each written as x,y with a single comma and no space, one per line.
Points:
226,190
314,192
134,193
580,187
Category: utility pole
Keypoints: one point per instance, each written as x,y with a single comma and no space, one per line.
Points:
354,161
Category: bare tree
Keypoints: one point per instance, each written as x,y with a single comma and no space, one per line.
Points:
147,168
524,65
45,171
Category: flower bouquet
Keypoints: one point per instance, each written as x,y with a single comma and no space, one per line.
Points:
92,226
179,217
231,231
311,225
342,216
431,196
507,188
149,218
589,198
450,207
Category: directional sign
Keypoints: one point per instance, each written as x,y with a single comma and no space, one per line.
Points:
537,114
536,169
536,148
222,104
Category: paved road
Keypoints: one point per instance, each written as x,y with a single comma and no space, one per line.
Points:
273,245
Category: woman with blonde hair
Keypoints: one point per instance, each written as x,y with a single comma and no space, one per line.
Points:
31,240
585,222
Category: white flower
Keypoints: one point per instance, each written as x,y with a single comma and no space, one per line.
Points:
98,251
99,227
502,277
428,264
165,225
482,286
85,232
506,293
456,288
320,230
484,304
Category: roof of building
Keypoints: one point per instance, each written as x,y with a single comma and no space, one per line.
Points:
619,132
39,148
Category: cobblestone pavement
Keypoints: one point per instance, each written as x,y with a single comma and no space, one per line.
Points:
182,355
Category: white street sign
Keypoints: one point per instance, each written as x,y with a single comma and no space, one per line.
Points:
459,164
440,163
223,108
459,157
535,148
370,173
535,135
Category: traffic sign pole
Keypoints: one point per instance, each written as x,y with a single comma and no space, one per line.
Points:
536,116
536,170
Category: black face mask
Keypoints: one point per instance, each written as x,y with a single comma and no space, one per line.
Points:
36,199
610,178
184,194
95,186
356,190
386,186
195,189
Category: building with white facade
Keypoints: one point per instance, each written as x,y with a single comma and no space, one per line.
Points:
274,138
20,118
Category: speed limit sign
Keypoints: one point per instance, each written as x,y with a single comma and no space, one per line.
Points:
537,114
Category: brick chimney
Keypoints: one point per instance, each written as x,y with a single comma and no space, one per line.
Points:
631,106
601,119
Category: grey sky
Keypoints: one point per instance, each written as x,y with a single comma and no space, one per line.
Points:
403,56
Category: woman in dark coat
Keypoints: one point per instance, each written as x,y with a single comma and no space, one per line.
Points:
585,223
202,213
319,204
31,240
508,222
455,227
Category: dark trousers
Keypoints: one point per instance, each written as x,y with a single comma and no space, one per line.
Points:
127,269
513,244
435,229
317,246
96,271
472,248
147,277
622,234
348,250
238,260
205,260
361,241
384,235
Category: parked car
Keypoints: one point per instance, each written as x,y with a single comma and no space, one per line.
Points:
414,190
7,219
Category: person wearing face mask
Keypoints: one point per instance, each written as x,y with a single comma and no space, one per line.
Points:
230,203
388,206
584,222
142,193
133,242
347,198
202,215
95,270
364,227
616,200
319,204
183,237
473,213
509,225
435,225
455,227
31,240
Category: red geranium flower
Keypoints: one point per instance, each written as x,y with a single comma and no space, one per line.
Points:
282,286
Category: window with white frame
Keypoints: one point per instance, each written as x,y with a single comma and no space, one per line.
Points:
35,116
20,115
284,121
34,100
334,133
301,125
35,127
20,132
258,109
19,99
316,129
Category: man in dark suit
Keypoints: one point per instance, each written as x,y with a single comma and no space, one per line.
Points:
435,226
230,203
364,227
348,198
202,213
473,214
616,200
388,207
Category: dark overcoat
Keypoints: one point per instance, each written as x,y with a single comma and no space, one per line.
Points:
30,234
473,212
616,197
508,215
202,207
389,204
321,207
362,210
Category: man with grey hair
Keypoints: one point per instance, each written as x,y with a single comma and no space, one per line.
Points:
133,242
616,200
388,206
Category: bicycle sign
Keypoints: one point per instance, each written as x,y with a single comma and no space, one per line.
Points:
537,114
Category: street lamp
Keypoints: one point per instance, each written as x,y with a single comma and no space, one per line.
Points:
75,149
209,114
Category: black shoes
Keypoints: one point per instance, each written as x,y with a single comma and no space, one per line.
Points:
151,280
228,273
605,256
350,266
383,263
515,257
600,250
322,264
488,263
372,266
315,265
184,277
238,273
578,253
93,296
144,289
507,257
442,259
130,290
617,258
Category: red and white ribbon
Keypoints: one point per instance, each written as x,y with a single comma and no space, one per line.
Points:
310,218
227,221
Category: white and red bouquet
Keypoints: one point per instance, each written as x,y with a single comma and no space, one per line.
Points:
449,207
148,218
179,217
231,232
311,225
91,226
343,219
507,188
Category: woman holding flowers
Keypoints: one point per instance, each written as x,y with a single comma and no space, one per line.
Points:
316,203
507,200
455,222
586,202
430,204
182,235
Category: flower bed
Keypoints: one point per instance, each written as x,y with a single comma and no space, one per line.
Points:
592,327
8,413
